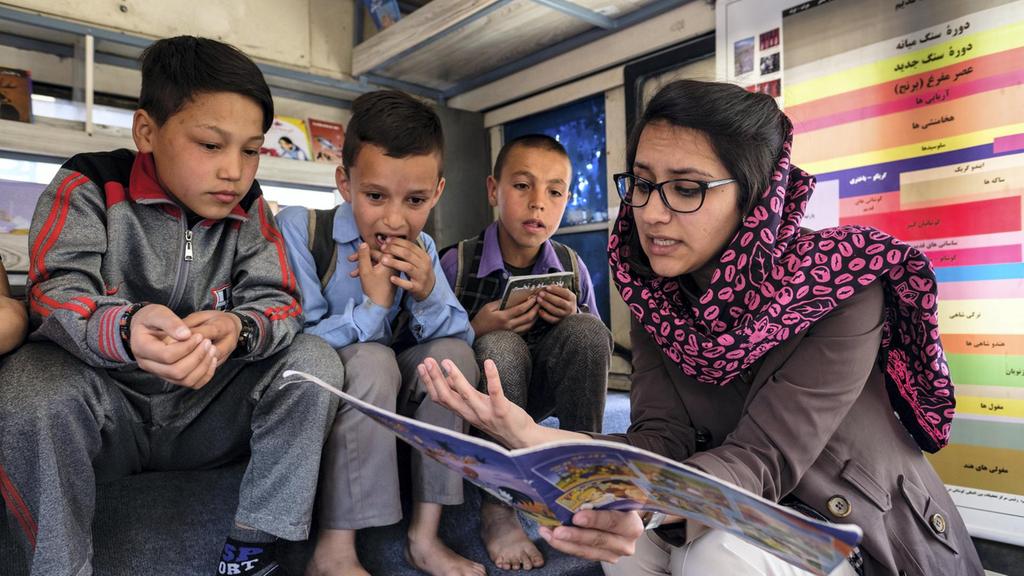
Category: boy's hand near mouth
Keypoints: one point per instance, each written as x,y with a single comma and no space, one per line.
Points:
375,277
407,257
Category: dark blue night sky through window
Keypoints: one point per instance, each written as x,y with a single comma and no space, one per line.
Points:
580,128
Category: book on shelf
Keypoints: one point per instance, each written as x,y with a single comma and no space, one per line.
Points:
15,94
327,139
383,12
287,138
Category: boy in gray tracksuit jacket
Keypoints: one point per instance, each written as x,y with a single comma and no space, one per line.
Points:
163,313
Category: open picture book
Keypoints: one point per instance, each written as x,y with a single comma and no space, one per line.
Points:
519,288
550,483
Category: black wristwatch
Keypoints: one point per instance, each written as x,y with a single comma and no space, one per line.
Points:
247,336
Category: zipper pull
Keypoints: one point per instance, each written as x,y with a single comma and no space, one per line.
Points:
188,245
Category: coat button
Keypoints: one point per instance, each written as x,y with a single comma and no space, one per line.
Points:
839,507
938,523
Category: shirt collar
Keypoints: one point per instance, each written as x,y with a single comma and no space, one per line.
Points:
345,229
491,260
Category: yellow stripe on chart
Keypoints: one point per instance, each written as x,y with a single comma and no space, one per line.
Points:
982,44
907,151
983,406
1004,316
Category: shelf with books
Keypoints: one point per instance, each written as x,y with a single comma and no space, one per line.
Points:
59,142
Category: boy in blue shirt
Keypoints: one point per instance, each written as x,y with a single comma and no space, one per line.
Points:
386,273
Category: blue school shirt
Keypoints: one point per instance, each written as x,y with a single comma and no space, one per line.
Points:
342,314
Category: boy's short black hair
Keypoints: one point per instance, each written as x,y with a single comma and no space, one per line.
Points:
396,122
175,70
540,141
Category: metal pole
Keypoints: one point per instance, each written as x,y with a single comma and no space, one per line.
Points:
90,73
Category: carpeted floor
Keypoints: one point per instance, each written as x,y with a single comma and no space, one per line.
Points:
175,522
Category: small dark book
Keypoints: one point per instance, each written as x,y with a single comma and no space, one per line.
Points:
519,288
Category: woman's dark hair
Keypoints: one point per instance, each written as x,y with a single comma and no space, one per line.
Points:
746,131
396,122
176,70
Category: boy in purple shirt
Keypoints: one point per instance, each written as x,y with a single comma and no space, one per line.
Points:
552,350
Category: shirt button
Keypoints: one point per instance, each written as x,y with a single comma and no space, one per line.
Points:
938,523
839,507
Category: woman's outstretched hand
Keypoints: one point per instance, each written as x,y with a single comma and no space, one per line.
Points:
603,535
491,412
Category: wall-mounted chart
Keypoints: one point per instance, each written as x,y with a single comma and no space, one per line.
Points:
911,114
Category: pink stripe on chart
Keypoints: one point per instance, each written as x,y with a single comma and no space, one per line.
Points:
950,92
975,256
975,241
1008,143
981,289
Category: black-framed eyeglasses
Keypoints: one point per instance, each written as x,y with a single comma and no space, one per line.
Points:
679,195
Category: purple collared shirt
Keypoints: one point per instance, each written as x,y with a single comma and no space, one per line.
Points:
491,262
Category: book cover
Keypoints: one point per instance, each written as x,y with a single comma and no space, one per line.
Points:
519,288
327,138
553,481
384,12
287,138
15,95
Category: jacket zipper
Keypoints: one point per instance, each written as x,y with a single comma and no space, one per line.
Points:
183,266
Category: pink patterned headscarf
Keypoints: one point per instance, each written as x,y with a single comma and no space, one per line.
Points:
775,280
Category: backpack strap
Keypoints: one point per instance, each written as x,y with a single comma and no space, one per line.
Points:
570,262
467,253
321,243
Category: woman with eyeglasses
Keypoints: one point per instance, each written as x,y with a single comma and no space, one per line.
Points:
803,366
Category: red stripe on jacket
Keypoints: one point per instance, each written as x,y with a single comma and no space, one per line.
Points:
282,312
64,205
81,305
48,225
18,508
272,235
36,295
108,347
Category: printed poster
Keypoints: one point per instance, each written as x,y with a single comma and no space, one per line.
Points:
911,117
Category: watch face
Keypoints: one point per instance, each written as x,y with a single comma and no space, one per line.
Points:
248,339
247,336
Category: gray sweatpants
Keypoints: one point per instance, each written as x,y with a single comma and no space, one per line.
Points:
359,487
565,372
65,425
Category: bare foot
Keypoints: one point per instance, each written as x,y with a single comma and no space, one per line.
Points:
507,544
433,557
335,555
